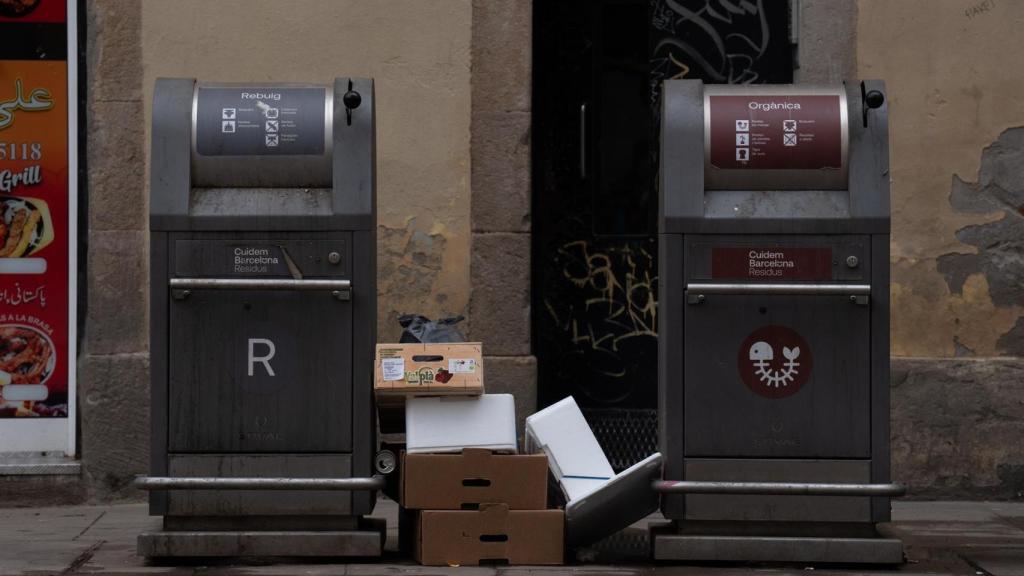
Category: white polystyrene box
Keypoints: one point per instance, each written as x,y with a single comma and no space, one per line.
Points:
452,423
574,456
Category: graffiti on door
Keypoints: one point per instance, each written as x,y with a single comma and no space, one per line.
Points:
616,301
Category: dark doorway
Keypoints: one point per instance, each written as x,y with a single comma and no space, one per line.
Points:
598,67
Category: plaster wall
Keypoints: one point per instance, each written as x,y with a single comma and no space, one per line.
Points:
419,55
952,72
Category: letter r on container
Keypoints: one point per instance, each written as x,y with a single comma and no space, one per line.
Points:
265,360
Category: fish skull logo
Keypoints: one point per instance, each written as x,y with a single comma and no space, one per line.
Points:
768,375
761,354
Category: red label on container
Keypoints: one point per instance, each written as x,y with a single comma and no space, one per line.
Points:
771,263
776,132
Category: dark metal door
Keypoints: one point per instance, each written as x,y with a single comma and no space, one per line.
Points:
777,376
598,68
260,371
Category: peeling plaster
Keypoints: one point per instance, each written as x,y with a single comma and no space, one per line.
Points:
410,275
950,97
999,244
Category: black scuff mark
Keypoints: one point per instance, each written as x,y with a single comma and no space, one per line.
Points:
91,524
1012,342
83,558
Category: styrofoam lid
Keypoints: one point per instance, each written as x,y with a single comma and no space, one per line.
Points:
563,433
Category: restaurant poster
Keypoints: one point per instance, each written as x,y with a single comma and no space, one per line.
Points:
38,233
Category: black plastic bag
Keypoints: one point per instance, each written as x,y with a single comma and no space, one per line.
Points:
417,328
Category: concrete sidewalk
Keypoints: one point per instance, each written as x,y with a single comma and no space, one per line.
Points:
954,538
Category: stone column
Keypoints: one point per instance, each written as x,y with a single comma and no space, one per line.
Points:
113,382
826,41
499,308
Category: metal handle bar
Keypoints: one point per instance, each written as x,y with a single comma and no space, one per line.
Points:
257,284
777,488
583,141
844,289
206,483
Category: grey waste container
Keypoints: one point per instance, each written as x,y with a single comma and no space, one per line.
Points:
263,315
774,323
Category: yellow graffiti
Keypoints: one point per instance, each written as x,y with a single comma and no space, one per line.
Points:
683,68
618,305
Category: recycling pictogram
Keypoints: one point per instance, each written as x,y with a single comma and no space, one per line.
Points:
775,361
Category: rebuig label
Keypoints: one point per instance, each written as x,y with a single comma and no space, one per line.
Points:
776,132
260,121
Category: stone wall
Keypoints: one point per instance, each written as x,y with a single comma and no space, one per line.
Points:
500,271
957,427
826,41
957,239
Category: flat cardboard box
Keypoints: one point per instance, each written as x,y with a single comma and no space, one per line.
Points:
574,456
493,534
429,369
473,478
453,423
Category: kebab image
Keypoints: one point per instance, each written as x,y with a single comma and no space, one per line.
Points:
24,227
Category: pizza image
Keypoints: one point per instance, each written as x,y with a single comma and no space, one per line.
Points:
25,227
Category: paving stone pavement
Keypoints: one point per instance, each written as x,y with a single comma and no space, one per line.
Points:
942,538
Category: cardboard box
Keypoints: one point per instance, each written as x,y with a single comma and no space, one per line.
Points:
493,534
574,456
473,478
429,369
453,423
